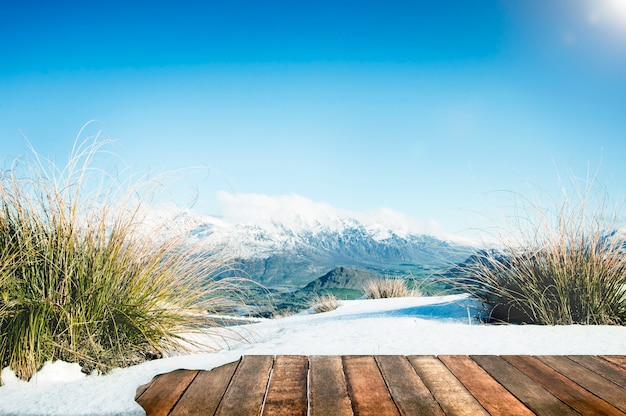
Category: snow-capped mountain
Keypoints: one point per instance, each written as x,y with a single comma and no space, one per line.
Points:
295,252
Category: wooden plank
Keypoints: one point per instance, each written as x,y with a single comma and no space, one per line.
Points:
408,391
244,396
367,388
165,391
490,394
571,393
394,385
601,387
452,396
618,360
328,389
287,392
141,389
205,393
600,366
534,396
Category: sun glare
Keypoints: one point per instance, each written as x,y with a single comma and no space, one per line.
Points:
610,11
618,7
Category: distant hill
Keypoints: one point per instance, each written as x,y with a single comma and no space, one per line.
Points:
286,257
342,282
341,278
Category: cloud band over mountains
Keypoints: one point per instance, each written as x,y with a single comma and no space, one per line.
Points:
298,212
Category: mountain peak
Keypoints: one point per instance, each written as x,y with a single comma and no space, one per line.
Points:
292,253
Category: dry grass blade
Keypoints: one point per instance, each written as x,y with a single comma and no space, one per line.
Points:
388,288
83,279
323,303
567,265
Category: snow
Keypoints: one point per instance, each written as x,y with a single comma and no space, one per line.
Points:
427,325
260,223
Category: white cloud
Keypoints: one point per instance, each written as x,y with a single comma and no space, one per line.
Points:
297,212
293,210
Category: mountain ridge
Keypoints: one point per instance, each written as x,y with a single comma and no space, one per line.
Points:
278,255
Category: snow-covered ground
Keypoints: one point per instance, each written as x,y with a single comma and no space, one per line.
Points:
436,325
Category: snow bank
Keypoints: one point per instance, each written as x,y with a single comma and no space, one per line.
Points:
437,325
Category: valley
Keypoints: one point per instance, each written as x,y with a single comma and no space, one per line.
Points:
290,263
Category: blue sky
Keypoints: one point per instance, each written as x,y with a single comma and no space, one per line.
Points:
427,108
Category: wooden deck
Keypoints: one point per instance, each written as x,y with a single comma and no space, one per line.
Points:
394,385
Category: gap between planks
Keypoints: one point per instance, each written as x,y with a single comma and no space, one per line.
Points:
394,385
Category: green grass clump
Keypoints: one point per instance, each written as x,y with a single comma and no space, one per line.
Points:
82,277
560,266
388,288
323,303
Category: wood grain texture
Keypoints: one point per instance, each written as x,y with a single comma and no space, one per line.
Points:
165,391
328,394
408,391
603,388
393,385
141,389
367,388
618,360
496,399
245,394
287,392
205,393
452,396
534,396
604,368
569,392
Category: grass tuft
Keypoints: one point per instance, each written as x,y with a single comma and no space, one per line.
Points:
323,303
82,277
388,288
564,265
